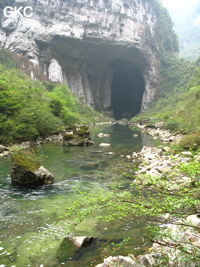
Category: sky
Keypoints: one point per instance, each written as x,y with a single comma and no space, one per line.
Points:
177,5
180,10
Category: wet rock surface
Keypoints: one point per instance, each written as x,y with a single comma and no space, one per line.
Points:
77,136
72,248
28,173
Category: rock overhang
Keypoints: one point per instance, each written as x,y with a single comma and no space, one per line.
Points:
78,43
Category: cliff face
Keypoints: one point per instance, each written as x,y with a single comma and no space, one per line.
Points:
104,50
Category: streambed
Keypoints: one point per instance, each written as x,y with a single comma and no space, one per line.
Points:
33,222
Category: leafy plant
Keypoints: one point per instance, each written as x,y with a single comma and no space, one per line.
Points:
28,110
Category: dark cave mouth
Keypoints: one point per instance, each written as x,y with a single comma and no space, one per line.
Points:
110,78
127,90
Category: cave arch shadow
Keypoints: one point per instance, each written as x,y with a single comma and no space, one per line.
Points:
127,89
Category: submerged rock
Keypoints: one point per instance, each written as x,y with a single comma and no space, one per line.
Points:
90,166
72,248
77,136
27,172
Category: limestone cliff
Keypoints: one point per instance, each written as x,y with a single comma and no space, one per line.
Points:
94,46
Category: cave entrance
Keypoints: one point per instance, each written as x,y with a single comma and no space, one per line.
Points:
127,90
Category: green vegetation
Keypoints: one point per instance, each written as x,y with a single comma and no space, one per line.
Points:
147,197
25,161
164,33
7,59
178,103
115,204
190,141
29,110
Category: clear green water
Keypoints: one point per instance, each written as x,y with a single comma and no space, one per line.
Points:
32,224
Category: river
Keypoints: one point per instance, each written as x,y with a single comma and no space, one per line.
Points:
33,224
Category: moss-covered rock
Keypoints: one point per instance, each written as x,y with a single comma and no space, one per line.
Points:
68,136
28,172
83,131
25,162
77,136
70,128
78,141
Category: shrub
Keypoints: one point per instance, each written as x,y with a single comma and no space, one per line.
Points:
27,110
172,125
6,58
191,141
49,85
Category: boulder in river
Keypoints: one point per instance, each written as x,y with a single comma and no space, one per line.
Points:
77,136
28,172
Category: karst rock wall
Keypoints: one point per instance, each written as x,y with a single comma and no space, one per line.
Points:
78,42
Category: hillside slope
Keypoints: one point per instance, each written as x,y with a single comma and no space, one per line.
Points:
178,104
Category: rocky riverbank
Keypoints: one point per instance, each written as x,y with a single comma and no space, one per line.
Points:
77,135
156,130
179,243
156,163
